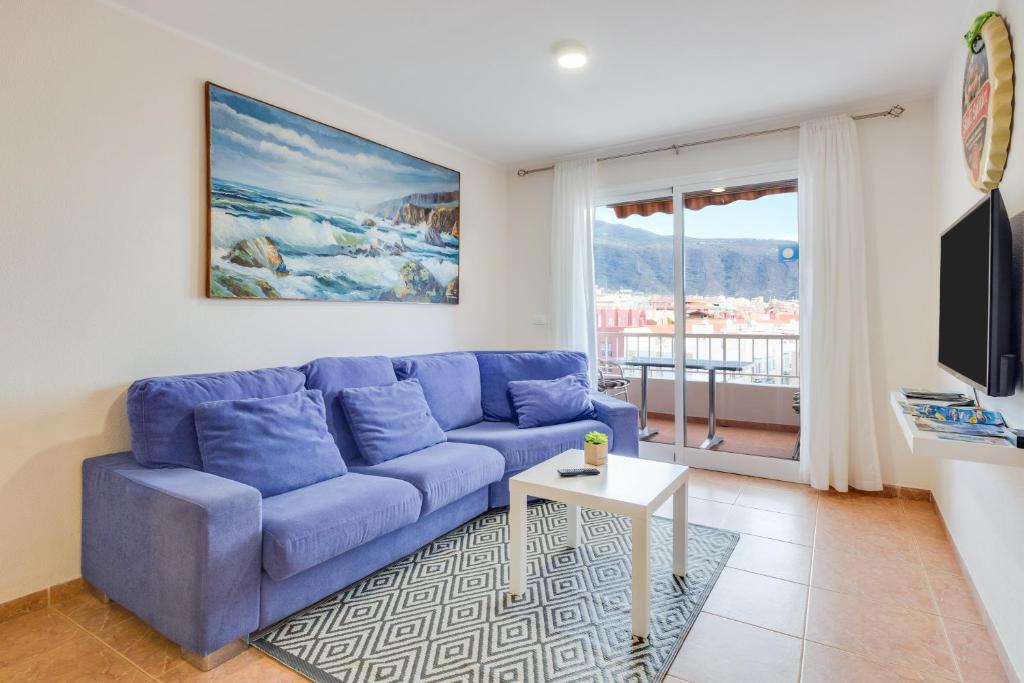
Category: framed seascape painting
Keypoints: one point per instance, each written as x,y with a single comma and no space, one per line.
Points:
301,210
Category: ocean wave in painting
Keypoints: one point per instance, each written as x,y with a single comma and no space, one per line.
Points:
270,246
383,226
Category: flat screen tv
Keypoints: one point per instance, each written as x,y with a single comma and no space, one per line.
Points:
977,321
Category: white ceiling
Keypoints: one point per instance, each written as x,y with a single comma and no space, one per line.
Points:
480,74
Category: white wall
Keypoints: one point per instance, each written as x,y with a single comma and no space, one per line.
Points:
102,239
896,161
983,504
896,156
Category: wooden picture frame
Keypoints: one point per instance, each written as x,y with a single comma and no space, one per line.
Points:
299,209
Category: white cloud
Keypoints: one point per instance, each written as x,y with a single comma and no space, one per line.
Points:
286,154
296,139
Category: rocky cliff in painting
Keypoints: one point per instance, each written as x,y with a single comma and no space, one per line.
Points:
439,211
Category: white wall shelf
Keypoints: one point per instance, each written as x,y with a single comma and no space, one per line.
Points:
928,445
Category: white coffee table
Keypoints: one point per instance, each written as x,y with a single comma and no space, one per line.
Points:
626,486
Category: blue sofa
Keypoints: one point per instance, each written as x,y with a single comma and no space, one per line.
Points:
207,560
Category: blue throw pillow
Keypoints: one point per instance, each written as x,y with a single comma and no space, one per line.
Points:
498,368
390,421
274,444
331,375
540,402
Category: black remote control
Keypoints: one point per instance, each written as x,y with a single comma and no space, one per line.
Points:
578,471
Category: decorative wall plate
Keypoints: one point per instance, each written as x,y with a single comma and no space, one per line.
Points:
987,105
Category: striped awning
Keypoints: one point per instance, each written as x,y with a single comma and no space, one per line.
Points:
695,201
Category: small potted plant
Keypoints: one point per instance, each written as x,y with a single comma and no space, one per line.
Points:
595,448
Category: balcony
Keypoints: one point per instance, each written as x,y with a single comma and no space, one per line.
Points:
753,404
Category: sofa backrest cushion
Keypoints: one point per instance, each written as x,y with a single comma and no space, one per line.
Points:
390,421
498,368
451,384
161,410
331,375
275,444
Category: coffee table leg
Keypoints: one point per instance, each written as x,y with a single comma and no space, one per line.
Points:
517,543
572,525
642,575
680,529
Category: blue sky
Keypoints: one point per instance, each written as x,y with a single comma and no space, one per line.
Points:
261,145
770,217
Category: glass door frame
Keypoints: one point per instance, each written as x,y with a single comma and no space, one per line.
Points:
678,187
739,463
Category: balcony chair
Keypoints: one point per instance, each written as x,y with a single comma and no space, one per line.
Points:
612,381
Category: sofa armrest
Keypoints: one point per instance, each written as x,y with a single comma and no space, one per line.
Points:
623,418
178,547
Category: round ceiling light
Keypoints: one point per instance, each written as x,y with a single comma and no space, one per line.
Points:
718,189
570,55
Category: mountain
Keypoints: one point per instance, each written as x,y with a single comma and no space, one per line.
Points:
631,258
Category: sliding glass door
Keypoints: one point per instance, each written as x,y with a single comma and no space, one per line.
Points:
698,320
740,308
635,279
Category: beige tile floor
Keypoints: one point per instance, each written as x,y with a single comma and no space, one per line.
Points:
828,587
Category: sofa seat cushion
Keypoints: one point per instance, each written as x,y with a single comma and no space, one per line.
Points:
524,448
498,368
307,526
451,383
442,473
161,410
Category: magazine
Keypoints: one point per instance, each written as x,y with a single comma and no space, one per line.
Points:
925,395
992,440
948,414
926,425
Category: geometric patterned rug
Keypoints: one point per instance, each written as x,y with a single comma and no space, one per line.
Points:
444,614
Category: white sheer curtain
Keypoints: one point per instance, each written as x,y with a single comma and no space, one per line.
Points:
838,445
573,320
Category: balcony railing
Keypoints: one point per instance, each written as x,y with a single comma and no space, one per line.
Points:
772,358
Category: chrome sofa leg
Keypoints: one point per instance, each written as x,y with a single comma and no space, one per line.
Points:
215,658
